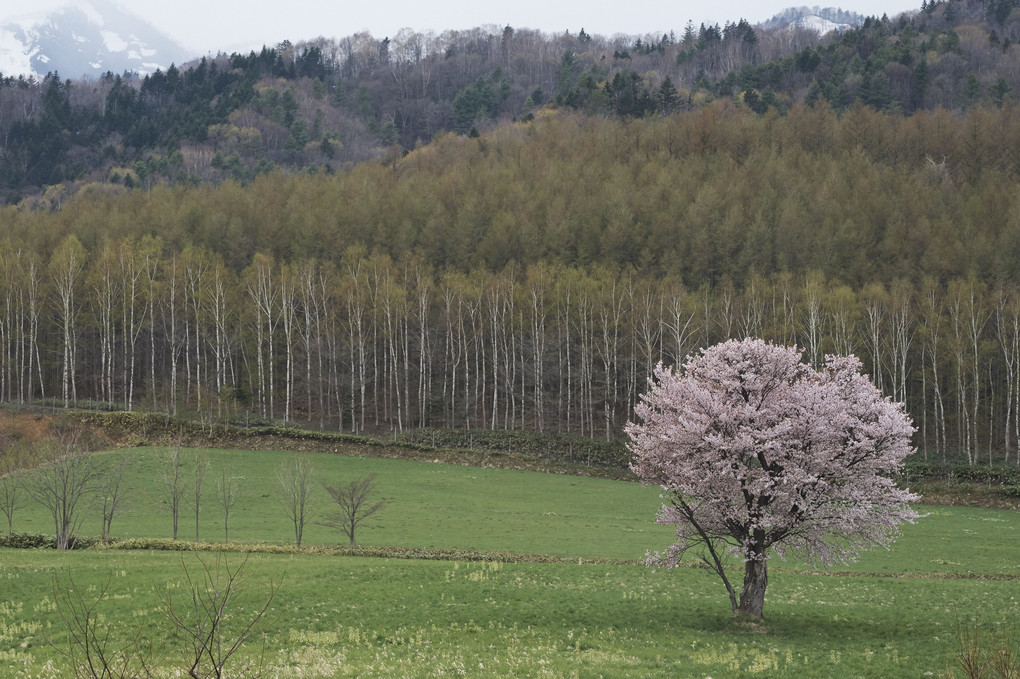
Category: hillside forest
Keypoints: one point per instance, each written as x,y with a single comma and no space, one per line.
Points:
313,234
533,277
330,103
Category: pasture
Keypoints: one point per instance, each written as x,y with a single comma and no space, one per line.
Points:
893,614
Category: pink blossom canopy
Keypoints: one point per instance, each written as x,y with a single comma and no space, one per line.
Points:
757,449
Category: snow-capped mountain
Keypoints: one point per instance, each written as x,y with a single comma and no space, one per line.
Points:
818,19
84,37
820,25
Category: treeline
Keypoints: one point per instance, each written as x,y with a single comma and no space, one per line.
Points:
367,344
326,104
707,196
954,55
532,277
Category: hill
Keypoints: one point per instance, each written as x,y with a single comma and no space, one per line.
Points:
333,103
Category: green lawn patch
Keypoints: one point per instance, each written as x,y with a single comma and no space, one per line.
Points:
428,505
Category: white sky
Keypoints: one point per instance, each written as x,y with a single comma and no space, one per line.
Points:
220,25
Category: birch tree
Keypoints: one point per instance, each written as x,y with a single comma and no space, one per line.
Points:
66,268
1007,324
262,290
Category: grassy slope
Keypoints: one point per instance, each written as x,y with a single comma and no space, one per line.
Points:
428,505
372,617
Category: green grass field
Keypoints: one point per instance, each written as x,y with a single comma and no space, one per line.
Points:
427,505
893,614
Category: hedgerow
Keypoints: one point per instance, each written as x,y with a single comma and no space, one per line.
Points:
1004,477
19,540
419,553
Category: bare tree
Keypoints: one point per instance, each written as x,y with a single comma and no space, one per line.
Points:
352,504
295,475
173,484
201,467
109,495
227,491
11,497
65,478
215,619
13,461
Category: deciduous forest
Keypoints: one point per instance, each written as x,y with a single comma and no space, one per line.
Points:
522,259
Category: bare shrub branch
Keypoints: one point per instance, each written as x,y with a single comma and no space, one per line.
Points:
214,617
89,649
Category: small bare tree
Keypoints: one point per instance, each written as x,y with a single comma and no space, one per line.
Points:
201,467
66,477
109,496
11,497
215,619
295,476
353,506
227,490
173,483
14,460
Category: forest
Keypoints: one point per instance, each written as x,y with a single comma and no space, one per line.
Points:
327,104
532,277
499,229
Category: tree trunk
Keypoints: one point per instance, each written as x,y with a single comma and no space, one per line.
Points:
752,596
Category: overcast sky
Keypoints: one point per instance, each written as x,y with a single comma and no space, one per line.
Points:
210,25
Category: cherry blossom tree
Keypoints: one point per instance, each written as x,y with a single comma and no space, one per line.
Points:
759,453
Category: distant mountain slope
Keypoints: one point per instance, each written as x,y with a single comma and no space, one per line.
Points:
819,19
331,103
89,37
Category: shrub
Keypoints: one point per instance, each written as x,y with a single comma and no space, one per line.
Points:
18,540
28,541
995,655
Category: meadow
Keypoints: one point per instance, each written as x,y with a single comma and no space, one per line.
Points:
893,614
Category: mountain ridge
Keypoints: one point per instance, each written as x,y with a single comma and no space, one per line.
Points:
331,104
93,37
86,38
